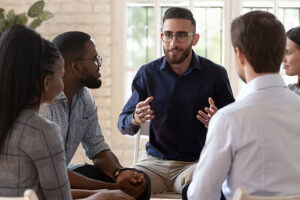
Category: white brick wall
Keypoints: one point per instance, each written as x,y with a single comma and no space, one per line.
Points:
95,18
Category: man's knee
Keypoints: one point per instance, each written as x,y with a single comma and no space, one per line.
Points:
93,172
184,178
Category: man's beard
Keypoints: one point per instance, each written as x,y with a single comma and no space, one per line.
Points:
173,59
91,82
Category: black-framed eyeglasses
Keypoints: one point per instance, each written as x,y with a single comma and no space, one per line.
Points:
97,59
181,36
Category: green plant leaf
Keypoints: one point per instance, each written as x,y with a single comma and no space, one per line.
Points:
36,9
45,15
21,19
3,25
2,13
35,23
10,18
10,15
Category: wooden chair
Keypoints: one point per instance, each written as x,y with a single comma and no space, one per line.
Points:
28,195
241,194
144,130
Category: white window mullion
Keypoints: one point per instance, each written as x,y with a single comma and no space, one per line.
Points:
191,5
157,27
276,8
232,9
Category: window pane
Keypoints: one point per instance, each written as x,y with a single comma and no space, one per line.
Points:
140,35
289,17
210,30
247,9
257,5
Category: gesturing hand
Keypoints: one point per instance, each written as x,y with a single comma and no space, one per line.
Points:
142,112
205,117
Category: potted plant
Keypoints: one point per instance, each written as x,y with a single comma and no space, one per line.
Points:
36,13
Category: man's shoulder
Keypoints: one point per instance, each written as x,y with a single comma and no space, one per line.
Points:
237,110
85,100
232,108
85,94
207,64
244,107
153,65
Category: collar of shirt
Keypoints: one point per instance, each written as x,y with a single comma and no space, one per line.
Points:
62,95
261,83
195,64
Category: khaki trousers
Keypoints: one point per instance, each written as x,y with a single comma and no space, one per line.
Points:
166,175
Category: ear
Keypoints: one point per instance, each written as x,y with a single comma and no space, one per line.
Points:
196,38
47,83
76,67
240,56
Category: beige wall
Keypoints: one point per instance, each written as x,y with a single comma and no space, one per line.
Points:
102,20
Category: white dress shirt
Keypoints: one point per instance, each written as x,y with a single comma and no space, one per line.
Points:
253,143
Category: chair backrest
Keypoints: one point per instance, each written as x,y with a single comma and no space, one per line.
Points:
28,195
241,194
144,130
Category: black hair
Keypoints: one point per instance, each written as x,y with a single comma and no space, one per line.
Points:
25,60
72,45
294,35
179,13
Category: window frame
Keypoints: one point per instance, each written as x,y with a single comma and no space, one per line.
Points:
231,9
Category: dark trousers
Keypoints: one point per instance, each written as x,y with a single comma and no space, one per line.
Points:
184,193
93,172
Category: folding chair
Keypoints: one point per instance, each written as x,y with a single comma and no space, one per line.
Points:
28,195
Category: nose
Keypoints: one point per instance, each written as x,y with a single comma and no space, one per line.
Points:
284,59
173,42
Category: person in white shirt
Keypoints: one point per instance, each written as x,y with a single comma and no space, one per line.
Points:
254,142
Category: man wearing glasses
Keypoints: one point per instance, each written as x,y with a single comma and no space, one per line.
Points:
75,111
170,92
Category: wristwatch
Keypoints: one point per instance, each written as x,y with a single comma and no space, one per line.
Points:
118,171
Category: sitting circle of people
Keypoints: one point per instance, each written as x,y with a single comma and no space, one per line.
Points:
203,144
32,150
